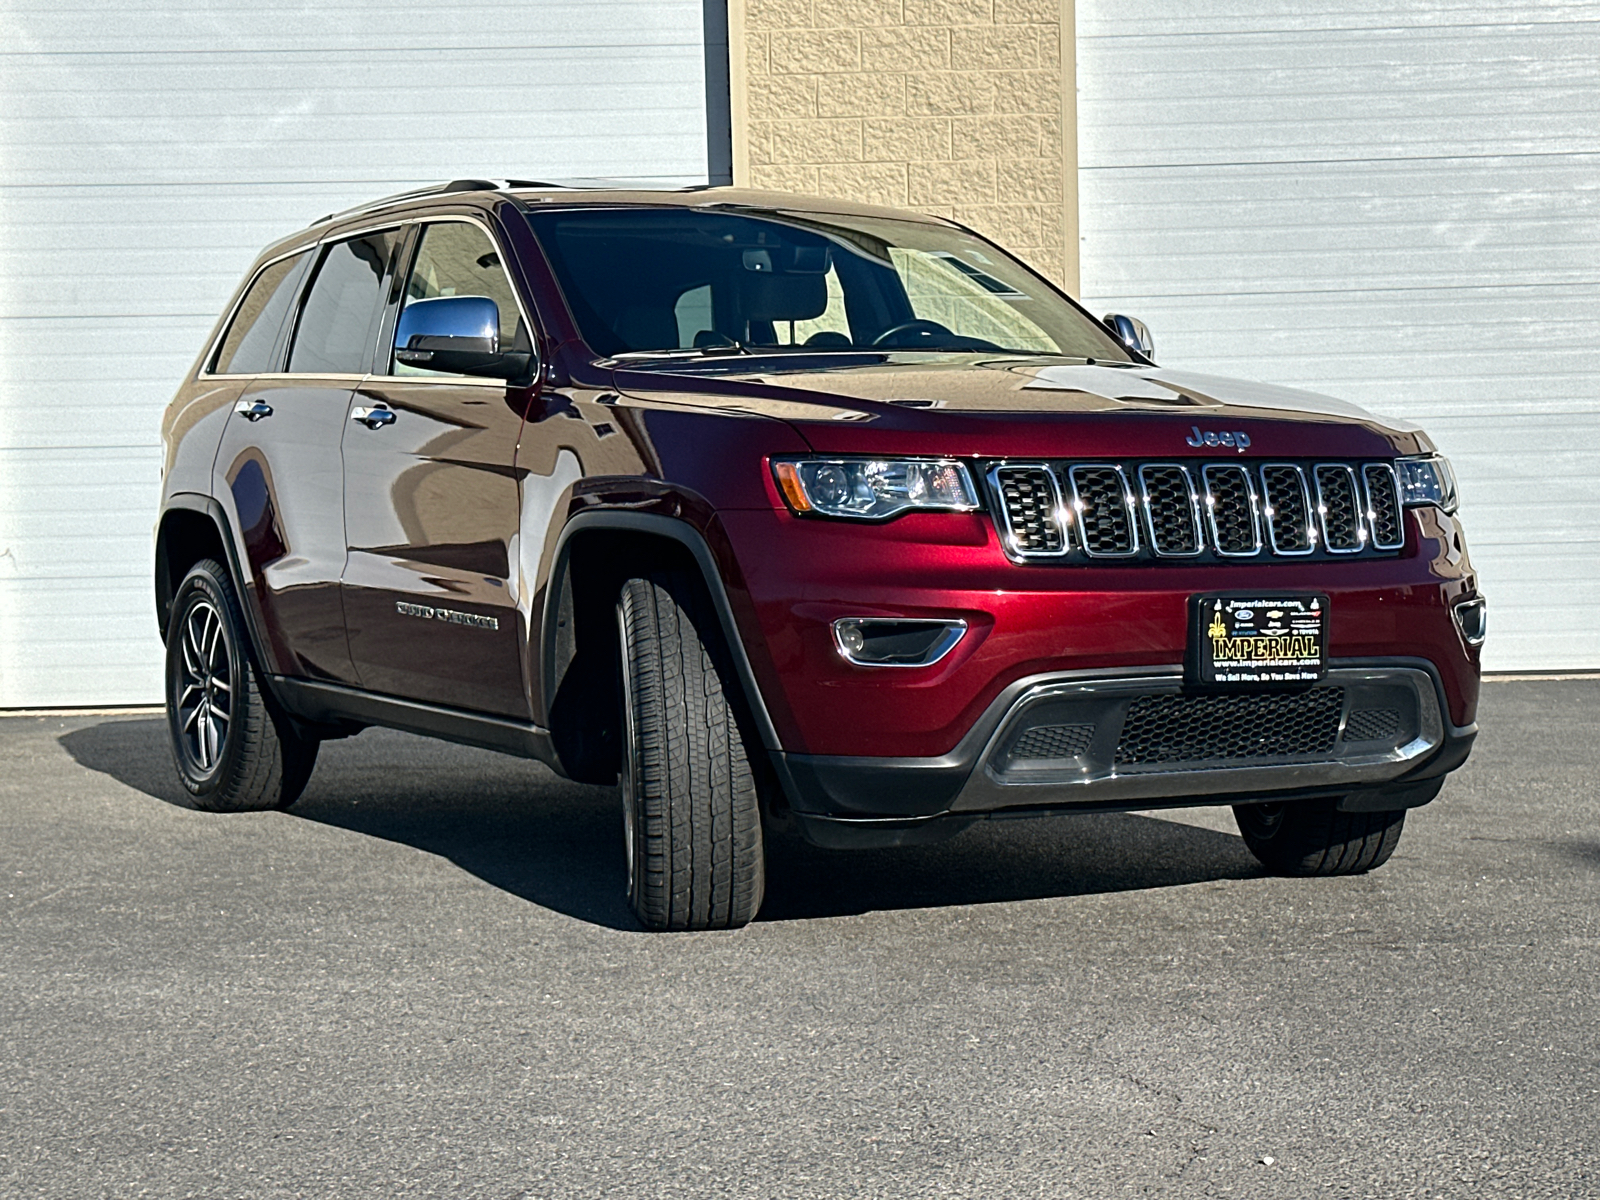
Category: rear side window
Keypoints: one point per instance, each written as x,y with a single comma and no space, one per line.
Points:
247,350
339,322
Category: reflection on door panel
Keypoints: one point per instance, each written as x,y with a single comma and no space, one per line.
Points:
432,509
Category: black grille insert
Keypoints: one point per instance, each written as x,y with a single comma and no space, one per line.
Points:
1372,724
1053,741
1103,511
1169,504
1032,509
1339,507
1288,513
1231,504
1182,729
1383,506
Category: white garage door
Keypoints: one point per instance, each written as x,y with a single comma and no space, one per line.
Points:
149,150
1398,203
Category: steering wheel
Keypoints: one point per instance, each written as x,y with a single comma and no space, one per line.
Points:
929,328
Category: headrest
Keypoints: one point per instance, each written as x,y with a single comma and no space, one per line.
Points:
784,297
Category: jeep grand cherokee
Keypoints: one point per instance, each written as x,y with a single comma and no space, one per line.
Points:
790,514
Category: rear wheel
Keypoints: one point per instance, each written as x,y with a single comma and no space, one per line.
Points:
233,750
691,817
1312,837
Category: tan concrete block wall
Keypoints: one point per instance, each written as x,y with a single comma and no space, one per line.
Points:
963,108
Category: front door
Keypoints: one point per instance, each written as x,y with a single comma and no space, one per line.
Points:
431,506
278,466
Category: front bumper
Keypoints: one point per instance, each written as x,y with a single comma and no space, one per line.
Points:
1376,732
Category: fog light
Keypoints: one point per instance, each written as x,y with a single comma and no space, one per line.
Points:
887,642
1472,617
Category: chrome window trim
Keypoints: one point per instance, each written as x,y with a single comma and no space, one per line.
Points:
1008,535
1194,511
1399,504
1356,494
1129,506
1305,496
345,235
1211,510
955,630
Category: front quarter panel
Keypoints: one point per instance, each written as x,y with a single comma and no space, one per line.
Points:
591,452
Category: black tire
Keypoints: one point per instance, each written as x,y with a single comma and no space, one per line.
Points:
1312,837
234,751
691,814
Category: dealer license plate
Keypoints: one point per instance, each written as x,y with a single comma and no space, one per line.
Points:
1258,640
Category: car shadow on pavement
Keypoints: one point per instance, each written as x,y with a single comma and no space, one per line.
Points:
518,827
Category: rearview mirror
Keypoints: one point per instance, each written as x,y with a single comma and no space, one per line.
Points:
1132,333
458,334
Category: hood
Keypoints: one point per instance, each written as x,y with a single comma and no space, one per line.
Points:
1009,407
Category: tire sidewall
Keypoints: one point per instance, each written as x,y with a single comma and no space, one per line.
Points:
1261,823
628,765
200,584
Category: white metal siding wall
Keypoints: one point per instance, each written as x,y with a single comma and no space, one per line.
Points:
1397,203
148,151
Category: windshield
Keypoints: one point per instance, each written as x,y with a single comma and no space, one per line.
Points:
659,280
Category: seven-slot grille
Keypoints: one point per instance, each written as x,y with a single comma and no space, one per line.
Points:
1111,510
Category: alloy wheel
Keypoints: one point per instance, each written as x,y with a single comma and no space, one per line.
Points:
205,686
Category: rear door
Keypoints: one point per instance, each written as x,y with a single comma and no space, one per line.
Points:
279,466
431,504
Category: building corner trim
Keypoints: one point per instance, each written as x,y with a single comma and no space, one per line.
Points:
738,94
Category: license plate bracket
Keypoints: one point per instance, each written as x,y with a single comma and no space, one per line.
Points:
1258,639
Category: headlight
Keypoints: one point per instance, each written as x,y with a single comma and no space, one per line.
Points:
874,488
1427,480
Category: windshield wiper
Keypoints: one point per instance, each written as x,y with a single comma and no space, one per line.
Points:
728,346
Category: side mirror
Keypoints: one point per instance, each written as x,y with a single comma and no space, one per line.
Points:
459,334
1132,333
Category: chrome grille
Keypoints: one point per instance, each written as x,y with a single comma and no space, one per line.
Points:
1171,510
1339,509
1288,510
1383,506
1231,511
1105,511
1200,511
1031,505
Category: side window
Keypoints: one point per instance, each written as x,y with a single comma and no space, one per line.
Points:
247,348
339,321
458,259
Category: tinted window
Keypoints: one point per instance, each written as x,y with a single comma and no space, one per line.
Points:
247,350
339,322
458,259
641,280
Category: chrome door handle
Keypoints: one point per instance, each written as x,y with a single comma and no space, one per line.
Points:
253,410
373,418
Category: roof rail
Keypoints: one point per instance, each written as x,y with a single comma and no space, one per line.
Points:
500,185
436,189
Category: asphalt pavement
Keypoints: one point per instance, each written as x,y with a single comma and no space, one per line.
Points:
423,981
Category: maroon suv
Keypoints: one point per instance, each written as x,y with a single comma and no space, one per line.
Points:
791,514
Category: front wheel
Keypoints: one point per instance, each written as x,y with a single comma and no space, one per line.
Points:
234,752
691,816
1312,837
